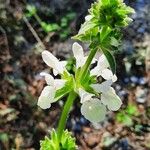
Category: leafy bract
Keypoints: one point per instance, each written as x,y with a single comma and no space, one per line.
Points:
52,142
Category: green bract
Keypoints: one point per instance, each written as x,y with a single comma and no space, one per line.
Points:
52,143
104,17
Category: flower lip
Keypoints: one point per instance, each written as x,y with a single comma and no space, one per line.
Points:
78,54
46,97
93,110
53,62
85,96
101,65
111,100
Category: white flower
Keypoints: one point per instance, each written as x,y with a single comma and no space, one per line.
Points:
55,83
78,54
103,87
108,75
101,65
93,110
53,62
111,100
48,93
85,96
102,69
108,95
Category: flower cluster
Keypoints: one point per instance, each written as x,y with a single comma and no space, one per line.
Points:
96,98
103,23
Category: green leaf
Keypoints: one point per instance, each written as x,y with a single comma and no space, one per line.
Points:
104,33
124,118
114,42
105,2
132,110
86,28
111,59
31,9
67,142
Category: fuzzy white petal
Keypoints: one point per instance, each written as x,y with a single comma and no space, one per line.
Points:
53,62
85,96
111,100
78,54
80,62
60,67
95,71
102,62
46,97
64,63
101,65
49,59
77,50
55,72
114,78
59,83
93,110
108,75
48,78
103,87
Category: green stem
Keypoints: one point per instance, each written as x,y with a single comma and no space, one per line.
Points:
64,115
87,63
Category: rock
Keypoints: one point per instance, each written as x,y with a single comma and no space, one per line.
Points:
107,139
140,94
92,139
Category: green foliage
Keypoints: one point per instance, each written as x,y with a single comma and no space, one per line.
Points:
106,15
49,27
60,26
132,110
125,116
31,10
52,143
103,25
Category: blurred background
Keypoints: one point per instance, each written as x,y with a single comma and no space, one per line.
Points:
29,26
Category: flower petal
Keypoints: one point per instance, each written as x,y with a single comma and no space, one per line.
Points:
94,71
107,75
77,50
59,83
85,96
93,110
53,62
101,65
48,78
55,72
112,100
103,87
102,62
60,67
46,97
49,59
78,54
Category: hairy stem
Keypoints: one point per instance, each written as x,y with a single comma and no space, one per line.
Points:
64,115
